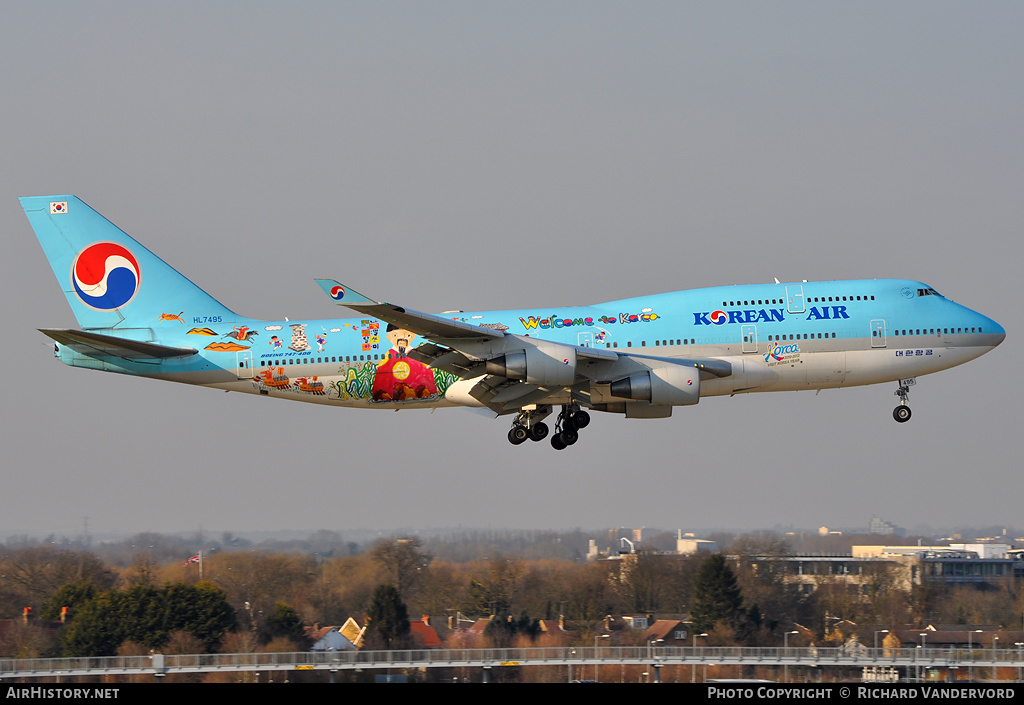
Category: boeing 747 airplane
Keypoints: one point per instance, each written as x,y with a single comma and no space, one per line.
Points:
639,356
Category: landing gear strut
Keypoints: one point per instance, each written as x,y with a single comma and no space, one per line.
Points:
529,426
570,420
902,412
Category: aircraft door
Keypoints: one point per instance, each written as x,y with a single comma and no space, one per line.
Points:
585,340
243,364
795,298
748,332
878,333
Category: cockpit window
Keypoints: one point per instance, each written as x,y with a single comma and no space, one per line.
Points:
927,292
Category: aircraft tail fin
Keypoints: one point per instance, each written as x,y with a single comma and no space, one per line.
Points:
110,280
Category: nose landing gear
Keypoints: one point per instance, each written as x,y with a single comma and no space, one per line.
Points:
902,412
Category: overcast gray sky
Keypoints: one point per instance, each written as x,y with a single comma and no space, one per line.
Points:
476,155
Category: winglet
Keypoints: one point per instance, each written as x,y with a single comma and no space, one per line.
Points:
343,295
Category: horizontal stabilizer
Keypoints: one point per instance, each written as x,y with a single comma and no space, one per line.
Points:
98,345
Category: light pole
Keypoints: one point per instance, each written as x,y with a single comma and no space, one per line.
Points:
650,655
970,654
693,674
785,653
599,636
924,654
1019,645
995,669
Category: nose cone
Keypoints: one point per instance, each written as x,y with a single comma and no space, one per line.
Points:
998,333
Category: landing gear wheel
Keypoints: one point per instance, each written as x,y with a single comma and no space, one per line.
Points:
539,431
517,435
569,436
581,419
901,413
557,443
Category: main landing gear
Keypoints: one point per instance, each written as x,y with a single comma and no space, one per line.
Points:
528,425
902,412
570,420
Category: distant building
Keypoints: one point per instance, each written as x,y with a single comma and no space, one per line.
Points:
956,563
331,639
669,632
635,622
686,546
884,528
423,635
908,565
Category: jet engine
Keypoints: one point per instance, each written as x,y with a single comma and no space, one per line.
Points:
546,364
667,385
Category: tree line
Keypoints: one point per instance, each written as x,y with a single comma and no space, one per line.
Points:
256,599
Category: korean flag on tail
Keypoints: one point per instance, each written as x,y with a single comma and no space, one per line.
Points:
58,207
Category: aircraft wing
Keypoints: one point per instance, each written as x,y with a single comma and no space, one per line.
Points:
515,370
427,325
454,336
99,345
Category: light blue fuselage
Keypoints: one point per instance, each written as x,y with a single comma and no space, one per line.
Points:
809,335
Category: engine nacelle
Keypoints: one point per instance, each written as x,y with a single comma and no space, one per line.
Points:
668,385
547,364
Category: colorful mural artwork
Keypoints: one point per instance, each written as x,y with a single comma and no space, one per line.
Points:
274,378
241,333
554,320
202,331
310,385
172,317
391,378
299,341
226,347
399,377
371,335
777,353
356,383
